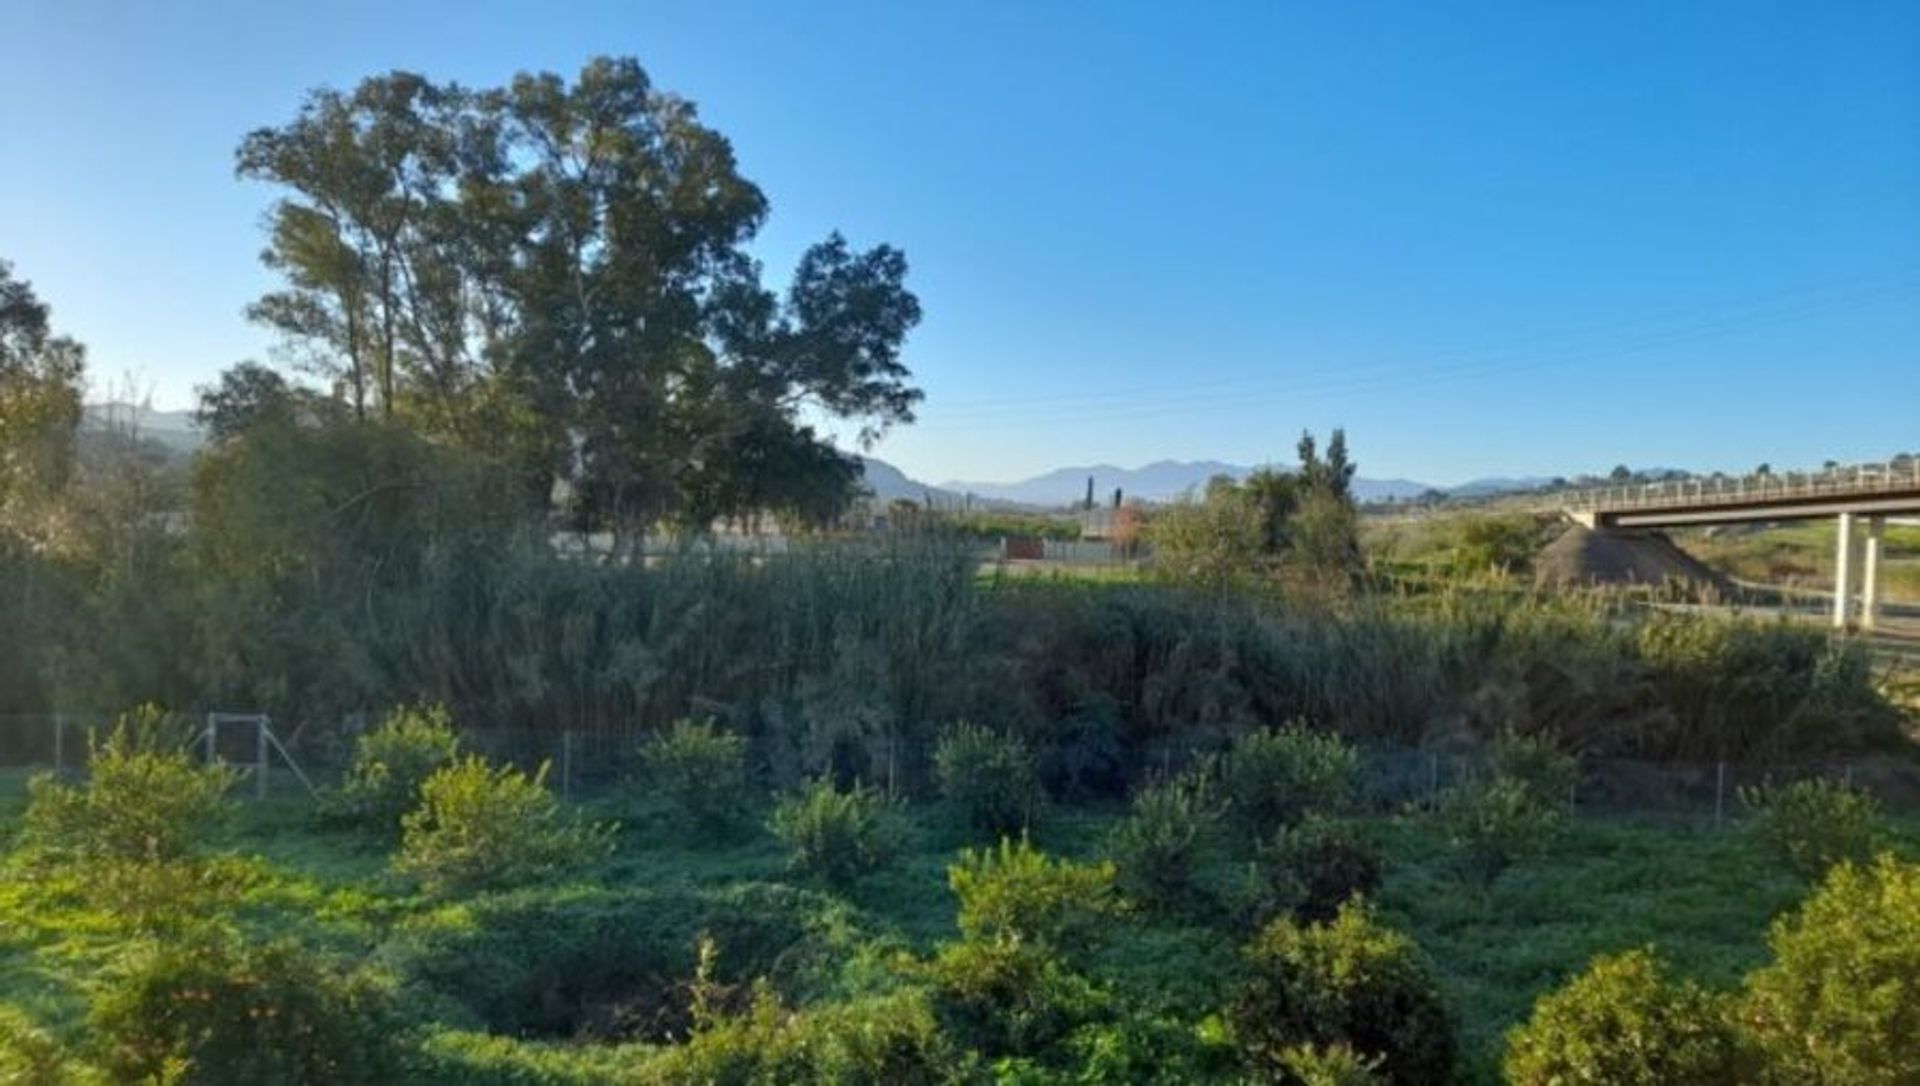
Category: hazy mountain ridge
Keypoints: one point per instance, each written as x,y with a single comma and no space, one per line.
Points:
1162,480
1159,481
175,430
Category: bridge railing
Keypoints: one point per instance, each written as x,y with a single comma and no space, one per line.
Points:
1857,480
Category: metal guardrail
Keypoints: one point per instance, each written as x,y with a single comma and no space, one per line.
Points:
1859,480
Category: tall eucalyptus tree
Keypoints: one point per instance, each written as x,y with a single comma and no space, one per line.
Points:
556,274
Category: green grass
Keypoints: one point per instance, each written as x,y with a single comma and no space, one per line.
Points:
1803,553
1704,897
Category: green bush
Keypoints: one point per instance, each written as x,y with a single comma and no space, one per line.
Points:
1813,824
1009,996
481,827
391,762
1537,763
32,1056
145,800
1016,893
1142,1046
224,1012
989,777
702,772
1007,986
1160,842
1494,544
1272,778
877,1042
613,965
1351,982
1314,868
1747,689
1840,1002
1624,1023
453,1057
836,837
1123,1043
1330,1065
1490,825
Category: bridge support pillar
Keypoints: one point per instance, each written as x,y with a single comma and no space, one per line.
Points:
1870,573
1843,573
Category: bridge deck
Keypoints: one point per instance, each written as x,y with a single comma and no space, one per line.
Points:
1872,490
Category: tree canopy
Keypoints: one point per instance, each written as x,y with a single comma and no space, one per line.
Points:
40,389
555,273
1303,519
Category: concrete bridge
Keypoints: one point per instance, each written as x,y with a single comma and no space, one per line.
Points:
1859,498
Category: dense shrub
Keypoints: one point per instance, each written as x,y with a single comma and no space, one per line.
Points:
882,1042
1272,778
1135,1045
1494,544
1351,982
989,777
835,836
1756,689
1537,763
1159,844
1840,1002
1008,986
1813,824
129,840
1010,996
227,1012
1492,824
1212,543
1330,1065
1016,893
1624,1023
1312,869
480,827
391,762
1083,753
145,799
613,965
31,1054
701,772
455,1057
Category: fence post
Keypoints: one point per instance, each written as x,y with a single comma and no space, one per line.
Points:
1719,792
260,757
566,765
213,738
59,742
1433,777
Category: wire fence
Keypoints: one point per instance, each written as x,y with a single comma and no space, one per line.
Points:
583,764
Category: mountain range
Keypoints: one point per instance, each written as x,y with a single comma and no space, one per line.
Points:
1162,480
174,429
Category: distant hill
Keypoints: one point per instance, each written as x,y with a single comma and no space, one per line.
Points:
1162,480
174,429
889,483
1499,484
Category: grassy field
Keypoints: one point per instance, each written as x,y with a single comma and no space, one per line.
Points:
1703,897
1801,555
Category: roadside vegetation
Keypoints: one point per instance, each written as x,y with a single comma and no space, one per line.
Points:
841,936
1801,556
877,817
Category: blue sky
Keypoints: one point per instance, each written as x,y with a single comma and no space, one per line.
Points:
1486,238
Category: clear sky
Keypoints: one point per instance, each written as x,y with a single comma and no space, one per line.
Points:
1486,238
